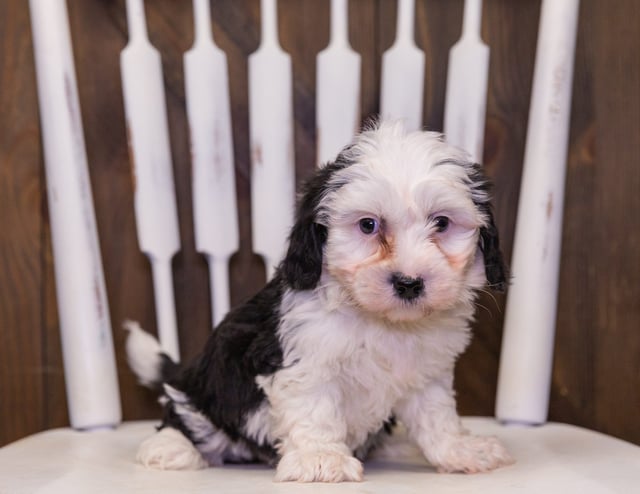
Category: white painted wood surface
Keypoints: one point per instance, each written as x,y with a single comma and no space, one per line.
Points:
271,135
89,364
402,84
154,195
530,316
337,88
213,174
553,458
467,79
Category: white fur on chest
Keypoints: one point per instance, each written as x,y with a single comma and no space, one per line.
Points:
354,369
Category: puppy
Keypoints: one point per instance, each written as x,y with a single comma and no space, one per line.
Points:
360,326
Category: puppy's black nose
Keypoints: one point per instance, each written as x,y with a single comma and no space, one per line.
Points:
407,288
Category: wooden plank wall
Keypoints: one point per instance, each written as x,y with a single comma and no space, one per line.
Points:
596,378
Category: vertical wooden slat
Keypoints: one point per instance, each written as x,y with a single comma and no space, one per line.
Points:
364,38
402,72
152,166
55,406
572,392
616,253
272,139
213,176
437,29
337,88
304,31
21,208
467,79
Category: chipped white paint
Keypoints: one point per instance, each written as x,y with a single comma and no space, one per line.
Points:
154,196
89,364
213,177
530,318
466,96
402,84
337,88
271,132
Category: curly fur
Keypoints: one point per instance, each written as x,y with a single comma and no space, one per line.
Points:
319,363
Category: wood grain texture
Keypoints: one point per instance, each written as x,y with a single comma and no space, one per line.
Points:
596,378
22,368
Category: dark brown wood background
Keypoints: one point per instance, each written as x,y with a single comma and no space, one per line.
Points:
596,378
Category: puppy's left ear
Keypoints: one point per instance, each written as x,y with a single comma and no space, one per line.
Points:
495,268
302,265
489,243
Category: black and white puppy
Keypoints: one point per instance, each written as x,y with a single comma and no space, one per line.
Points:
361,325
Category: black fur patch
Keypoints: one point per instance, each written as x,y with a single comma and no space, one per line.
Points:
220,383
375,439
496,270
302,265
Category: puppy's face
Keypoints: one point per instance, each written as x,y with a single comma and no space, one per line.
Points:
404,221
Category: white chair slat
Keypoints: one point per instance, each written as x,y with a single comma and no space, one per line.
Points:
89,362
402,78
529,328
337,88
154,195
272,149
213,182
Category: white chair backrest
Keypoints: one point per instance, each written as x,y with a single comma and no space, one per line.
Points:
78,266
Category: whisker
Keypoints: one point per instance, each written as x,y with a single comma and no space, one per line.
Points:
492,297
485,308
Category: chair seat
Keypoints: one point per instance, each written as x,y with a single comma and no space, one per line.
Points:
550,458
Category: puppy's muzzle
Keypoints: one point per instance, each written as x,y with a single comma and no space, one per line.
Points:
407,288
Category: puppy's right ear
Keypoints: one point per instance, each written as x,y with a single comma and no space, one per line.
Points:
302,265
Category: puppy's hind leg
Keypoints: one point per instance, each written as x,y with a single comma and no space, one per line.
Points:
169,449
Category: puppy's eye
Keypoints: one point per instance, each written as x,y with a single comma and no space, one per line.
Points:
368,226
441,223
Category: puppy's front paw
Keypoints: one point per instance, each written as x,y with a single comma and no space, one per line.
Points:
318,466
473,454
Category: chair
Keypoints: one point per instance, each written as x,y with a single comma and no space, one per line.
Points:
550,457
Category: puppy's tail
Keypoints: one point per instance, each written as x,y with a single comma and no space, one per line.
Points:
146,359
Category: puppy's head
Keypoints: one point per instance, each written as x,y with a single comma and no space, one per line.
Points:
401,223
